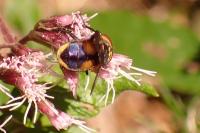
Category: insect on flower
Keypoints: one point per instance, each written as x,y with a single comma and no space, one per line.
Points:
85,55
81,48
78,46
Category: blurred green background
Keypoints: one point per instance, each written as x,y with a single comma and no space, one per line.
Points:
159,35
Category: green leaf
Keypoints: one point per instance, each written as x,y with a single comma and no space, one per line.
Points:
101,88
74,129
81,110
124,84
160,46
3,97
148,89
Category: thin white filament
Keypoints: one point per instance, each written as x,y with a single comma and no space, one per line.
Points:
35,113
101,99
49,87
107,93
113,90
6,121
41,96
27,110
87,82
132,74
17,106
9,105
84,128
48,96
128,76
151,73
91,17
52,108
15,99
1,129
87,128
4,90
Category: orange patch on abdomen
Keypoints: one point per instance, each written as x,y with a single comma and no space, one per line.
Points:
89,48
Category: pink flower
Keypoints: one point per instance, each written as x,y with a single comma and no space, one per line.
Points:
58,30
25,66
119,66
54,32
23,72
59,119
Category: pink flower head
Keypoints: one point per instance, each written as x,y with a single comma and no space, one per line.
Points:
120,66
58,30
25,66
60,120
23,72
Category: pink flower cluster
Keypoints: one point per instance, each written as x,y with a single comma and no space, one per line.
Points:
120,66
25,66
58,30
23,72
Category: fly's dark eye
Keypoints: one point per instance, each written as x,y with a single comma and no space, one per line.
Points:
102,47
105,51
96,37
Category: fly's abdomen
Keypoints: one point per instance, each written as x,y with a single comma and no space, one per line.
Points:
73,56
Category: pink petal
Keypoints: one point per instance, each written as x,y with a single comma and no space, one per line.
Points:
52,38
21,50
12,77
118,61
55,21
54,31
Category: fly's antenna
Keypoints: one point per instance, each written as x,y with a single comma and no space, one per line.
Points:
91,28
